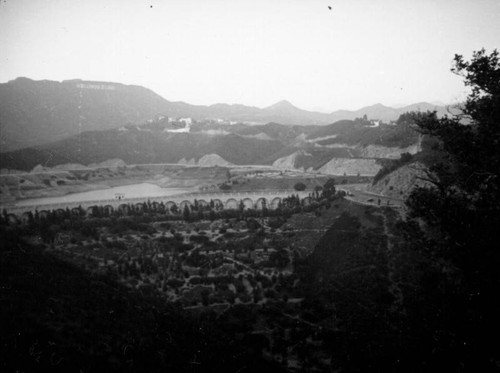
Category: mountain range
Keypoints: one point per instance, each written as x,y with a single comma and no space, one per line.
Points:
34,113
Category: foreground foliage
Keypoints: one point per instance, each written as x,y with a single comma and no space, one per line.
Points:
460,213
56,317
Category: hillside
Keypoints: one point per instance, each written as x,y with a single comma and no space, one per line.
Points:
58,317
33,113
342,166
399,176
36,112
401,182
300,147
310,158
363,133
135,146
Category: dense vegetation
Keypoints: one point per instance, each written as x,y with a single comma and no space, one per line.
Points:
440,310
359,132
66,317
460,215
57,317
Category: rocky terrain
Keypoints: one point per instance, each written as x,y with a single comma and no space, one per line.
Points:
208,160
377,151
400,183
342,166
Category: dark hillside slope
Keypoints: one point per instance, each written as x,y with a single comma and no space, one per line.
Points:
149,143
357,132
56,317
347,287
135,146
37,112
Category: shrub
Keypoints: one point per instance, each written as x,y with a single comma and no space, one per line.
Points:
299,186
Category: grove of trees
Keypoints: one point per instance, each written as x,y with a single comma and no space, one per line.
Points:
455,224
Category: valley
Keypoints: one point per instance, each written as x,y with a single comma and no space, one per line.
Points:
242,266
249,186
114,186
254,231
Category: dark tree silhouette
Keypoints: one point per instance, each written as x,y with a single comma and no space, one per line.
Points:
460,211
300,186
329,189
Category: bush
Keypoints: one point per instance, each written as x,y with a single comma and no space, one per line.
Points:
275,222
199,239
175,283
299,186
116,245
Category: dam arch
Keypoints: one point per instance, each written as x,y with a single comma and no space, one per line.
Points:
232,204
248,203
202,203
169,205
185,203
92,210
25,217
218,204
261,203
108,210
124,209
275,203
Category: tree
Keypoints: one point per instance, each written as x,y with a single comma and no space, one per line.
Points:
174,209
329,189
459,210
465,186
299,186
279,258
186,213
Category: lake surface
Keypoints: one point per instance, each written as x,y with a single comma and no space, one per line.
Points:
143,190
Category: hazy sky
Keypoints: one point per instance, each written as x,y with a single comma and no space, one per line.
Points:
254,52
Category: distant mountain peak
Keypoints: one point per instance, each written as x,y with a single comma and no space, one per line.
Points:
20,79
283,104
378,105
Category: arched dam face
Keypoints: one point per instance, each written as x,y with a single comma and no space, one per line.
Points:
234,201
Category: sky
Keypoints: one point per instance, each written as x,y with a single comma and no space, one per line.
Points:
253,52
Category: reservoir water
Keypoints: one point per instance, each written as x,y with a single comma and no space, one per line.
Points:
127,191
